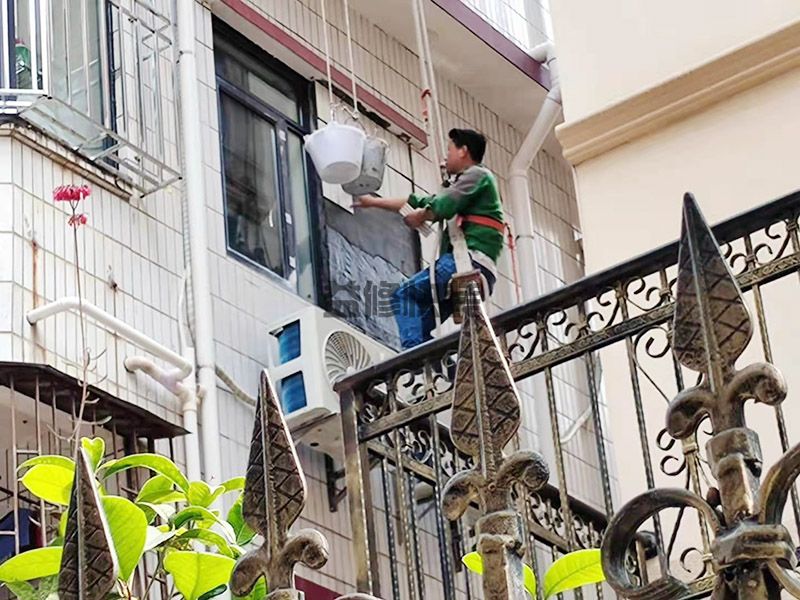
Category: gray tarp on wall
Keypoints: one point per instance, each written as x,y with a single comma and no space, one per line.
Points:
369,253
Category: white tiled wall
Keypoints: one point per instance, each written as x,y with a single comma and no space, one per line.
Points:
130,262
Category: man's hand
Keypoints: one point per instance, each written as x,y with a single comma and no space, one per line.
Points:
367,201
417,218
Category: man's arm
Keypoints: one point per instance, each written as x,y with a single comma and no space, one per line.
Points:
391,204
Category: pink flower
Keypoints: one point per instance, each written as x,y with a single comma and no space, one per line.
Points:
71,193
77,220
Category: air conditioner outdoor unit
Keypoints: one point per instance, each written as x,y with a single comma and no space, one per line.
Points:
315,349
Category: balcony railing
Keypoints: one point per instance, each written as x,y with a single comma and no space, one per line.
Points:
398,455
98,77
525,22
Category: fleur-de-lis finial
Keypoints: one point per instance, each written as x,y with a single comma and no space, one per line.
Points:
88,563
712,328
486,415
274,496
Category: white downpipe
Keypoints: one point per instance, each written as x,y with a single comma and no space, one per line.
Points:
519,185
195,206
183,368
522,209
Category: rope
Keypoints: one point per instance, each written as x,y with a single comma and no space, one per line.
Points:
325,36
437,111
429,91
350,56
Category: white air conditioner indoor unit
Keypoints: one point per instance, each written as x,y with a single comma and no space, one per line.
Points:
315,349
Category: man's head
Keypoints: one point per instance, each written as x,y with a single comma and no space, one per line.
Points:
466,148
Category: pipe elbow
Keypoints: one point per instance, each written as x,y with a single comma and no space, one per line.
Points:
542,52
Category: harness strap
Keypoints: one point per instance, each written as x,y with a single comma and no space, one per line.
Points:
481,220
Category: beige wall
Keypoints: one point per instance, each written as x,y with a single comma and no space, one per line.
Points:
610,50
733,156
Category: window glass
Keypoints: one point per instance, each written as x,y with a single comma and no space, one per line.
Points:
254,215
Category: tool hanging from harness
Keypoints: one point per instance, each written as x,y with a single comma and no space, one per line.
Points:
465,271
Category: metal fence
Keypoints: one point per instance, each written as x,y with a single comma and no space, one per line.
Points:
399,454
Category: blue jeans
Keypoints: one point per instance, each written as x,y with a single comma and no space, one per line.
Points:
412,301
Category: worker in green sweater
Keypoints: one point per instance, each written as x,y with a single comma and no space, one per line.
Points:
471,194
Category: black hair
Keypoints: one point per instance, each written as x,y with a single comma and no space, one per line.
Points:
474,141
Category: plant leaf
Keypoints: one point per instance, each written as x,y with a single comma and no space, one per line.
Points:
203,517
22,590
151,511
196,573
234,484
210,538
52,483
96,449
155,486
33,564
62,524
573,570
48,459
474,562
156,537
48,588
259,591
127,525
200,494
154,462
241,529
220,589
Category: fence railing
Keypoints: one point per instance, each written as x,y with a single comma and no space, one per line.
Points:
399,455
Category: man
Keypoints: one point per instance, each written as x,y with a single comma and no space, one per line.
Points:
472,194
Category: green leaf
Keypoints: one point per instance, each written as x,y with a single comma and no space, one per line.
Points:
151,511
128,528
62,524
51,483
48,588
241,530
159,490
156,536
200,494
474,562
95,448
154,462
196,573
210,538
22,590
220,589
233,485
33,564
259,591
48,459
573,570
203,517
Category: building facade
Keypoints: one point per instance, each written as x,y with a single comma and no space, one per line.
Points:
95,93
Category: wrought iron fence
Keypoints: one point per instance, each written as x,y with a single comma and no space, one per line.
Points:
399,454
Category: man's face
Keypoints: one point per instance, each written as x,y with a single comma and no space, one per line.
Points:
457,158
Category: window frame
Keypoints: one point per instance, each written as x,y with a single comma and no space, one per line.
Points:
283,126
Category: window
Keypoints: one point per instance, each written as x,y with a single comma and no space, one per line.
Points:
77,56
263,116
